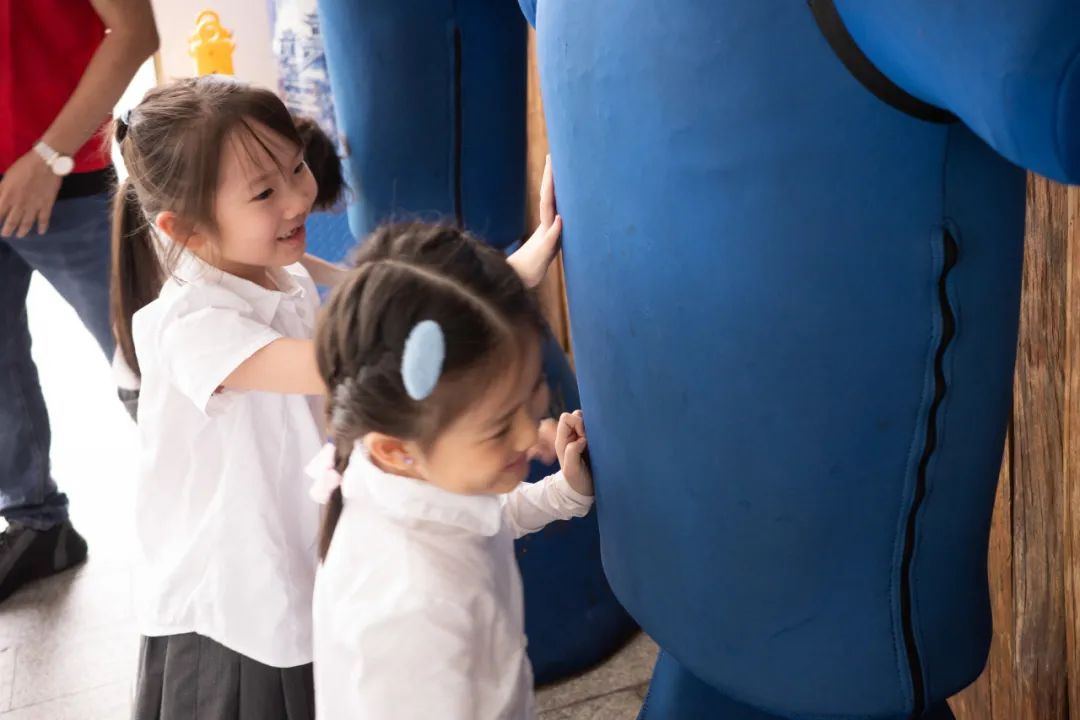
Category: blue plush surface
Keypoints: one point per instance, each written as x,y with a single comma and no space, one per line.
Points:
329,236
675,693
392,69
754,245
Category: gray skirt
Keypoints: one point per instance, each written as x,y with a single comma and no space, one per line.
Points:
191,677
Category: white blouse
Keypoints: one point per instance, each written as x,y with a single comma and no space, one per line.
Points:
226,534
418,606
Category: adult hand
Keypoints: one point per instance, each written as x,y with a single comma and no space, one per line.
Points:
27,194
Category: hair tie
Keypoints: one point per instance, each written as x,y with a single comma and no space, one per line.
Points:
327,478
123,124
422,360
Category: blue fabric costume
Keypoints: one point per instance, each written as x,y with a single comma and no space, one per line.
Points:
430,96
793,249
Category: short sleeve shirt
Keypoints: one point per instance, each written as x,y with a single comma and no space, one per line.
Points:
226,531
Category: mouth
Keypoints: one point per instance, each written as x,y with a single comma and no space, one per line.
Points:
518,463
297,234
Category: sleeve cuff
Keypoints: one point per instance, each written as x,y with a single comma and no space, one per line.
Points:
214,403
564,489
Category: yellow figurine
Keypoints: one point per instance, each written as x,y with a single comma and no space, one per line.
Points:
211,45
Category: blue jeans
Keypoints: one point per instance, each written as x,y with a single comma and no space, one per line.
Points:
74,257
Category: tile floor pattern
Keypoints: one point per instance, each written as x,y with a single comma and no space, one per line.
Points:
68,645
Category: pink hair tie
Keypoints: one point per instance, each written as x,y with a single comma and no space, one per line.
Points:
327,479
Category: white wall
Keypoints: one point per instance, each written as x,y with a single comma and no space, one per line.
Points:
249,22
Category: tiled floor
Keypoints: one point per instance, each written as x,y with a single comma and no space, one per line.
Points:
68,645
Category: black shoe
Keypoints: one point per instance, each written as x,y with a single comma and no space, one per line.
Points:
130,398
27,554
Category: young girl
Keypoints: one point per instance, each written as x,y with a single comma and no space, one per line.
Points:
431,350
214,308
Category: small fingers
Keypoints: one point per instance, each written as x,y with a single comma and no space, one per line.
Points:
547,195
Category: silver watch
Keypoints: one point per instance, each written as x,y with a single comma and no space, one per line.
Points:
60,164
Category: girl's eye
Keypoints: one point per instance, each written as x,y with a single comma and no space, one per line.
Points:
264,195
299,168
502,433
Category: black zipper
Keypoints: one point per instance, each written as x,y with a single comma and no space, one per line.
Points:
459,211
948,331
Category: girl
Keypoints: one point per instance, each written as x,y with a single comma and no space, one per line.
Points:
431,351
214,308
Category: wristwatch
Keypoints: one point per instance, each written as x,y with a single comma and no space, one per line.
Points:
60,164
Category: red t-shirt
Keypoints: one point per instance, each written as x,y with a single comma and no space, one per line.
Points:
45,46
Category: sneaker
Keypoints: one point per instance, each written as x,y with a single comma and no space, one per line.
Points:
27,554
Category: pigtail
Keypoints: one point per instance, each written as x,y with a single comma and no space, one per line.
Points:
137,274
331,515
341,369
322,158
336,503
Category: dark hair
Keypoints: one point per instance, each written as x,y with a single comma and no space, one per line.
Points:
172,145
404,274
322,159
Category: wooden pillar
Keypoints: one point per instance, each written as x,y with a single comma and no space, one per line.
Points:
1071,454
1034,667
552,290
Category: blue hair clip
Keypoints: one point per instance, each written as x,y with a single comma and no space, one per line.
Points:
422,360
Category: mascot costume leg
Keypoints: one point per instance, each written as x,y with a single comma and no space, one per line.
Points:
430,97
793,252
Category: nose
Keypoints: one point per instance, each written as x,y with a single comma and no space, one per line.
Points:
526,430
297,200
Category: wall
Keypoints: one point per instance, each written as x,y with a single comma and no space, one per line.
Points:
248,20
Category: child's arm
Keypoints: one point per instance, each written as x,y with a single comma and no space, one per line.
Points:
322,272
286,365
532,259
568,494
208,342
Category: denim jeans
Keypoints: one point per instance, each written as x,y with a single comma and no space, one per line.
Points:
74,257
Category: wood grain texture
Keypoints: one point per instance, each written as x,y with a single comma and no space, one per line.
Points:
1037,463
1035,539
552,290
1071,474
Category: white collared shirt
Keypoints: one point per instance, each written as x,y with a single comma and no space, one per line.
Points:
418,606
226,534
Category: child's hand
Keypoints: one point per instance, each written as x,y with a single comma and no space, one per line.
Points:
532,259
544,449
570,443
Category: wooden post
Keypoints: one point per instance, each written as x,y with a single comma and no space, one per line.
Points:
552,290
1072,454
1034,667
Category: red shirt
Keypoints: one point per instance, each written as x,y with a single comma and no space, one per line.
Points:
45,46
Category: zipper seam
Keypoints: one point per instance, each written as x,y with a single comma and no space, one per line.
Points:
948,333
458,140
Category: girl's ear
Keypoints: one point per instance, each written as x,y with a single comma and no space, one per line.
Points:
392,454
168,223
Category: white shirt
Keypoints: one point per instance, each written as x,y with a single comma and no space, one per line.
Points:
226,534
418,606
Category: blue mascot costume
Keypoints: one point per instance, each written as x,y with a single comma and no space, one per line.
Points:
430,97
793,252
